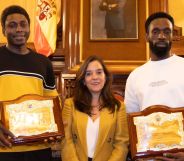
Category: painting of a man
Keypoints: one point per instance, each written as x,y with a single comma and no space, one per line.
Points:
113,19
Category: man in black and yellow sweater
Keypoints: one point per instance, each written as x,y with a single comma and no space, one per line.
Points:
22,71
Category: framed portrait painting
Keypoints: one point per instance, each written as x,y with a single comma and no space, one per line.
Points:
113,20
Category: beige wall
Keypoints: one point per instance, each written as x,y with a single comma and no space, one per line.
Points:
30,7
176,9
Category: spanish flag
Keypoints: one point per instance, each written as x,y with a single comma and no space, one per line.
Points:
46,26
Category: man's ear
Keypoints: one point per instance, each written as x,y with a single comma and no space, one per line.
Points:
147,37
3,31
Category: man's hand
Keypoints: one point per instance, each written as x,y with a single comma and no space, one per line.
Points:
172,156
103,6
4,142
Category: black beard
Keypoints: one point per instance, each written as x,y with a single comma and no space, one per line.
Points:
160,52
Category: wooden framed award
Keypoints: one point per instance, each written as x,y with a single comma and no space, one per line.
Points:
156,130
32,118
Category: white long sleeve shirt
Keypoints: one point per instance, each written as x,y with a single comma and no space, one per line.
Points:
156,83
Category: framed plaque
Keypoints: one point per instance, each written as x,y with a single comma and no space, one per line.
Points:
156,130
32,118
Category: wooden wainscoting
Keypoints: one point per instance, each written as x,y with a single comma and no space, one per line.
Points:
68,84
178,41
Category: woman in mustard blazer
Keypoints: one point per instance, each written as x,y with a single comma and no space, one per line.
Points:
95,121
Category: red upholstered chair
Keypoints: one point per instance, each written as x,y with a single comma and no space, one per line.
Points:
118,95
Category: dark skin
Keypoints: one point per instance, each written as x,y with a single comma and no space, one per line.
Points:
4,142
160,32
172,156
16,30
167,157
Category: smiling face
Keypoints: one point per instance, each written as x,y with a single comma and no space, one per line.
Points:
95,78
16,30
159,37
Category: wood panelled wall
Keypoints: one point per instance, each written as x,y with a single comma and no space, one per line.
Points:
75,46
121,57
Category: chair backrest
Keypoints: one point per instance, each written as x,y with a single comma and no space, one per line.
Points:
119,96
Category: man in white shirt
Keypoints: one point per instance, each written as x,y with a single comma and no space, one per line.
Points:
159,81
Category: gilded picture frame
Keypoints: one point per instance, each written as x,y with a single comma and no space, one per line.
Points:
156,130
113,20
32,118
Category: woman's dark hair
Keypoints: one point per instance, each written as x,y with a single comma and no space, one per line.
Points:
156,16
83,97
11,10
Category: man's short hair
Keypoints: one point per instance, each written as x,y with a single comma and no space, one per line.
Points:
156,16
11,10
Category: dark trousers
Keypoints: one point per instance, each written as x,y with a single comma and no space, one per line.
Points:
37,155
111,33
